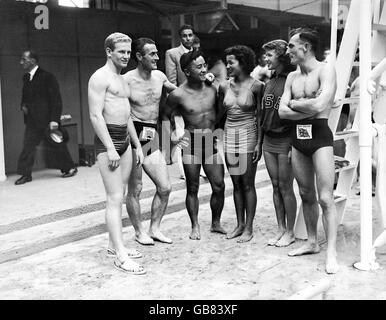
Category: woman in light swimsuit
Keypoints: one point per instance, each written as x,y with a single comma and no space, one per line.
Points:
240,99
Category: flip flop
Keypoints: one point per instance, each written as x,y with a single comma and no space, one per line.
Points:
131,253
129,267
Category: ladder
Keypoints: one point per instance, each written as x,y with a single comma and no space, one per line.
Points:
344,64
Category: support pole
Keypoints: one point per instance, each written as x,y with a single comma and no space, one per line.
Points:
3,177
365,136
334,30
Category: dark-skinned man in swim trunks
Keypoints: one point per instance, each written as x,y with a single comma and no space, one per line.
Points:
307,99
196,102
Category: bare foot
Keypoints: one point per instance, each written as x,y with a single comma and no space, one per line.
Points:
235,233
195,234
144,239
308,248
158,236
286,240
245,237
216,227
332,265
274,240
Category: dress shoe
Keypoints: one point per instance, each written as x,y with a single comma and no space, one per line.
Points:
23,179
70,173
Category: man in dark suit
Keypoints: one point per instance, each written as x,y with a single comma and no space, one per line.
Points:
42,106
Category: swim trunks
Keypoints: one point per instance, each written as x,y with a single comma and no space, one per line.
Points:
201,145
310,135
148,136
119,136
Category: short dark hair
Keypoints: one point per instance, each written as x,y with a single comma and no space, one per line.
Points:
308,35
33,54
188,57
138,46
244,55
185,27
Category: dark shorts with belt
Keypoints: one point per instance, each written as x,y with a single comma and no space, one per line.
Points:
148,136
310,135
119,136
200,145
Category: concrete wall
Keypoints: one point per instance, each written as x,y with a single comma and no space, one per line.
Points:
72,49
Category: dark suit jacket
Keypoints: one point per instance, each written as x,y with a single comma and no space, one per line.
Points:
42,98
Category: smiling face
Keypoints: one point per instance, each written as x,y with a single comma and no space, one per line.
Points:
197,70
186,38
120,56
272,59
296,49
233,66
149,57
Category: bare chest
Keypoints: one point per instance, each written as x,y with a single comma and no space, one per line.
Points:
145,93
199,103
305,86
118,88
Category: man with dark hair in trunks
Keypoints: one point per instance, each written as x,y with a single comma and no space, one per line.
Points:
307,99
146,85
110,117
196,102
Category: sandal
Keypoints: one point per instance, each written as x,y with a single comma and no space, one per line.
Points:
131,253
129,266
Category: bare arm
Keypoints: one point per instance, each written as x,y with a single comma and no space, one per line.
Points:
168,86
325,96
220,112
285,112
258,92
97,87
374,75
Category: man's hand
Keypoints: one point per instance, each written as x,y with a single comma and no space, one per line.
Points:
178,138
138,156
257,153
371,86
114,158
54,125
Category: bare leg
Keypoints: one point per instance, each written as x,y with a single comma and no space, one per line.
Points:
250,199
286,179
115,184
133,206
214,171
238,199
272,163
324,168
303,170
155,167
192,176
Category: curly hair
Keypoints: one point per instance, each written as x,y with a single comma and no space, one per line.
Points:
244,55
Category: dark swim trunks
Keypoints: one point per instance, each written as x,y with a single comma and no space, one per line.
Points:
148,136
200,145
119,136
310,135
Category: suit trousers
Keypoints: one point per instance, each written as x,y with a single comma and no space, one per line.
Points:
32,137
